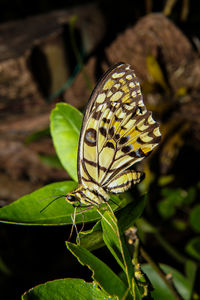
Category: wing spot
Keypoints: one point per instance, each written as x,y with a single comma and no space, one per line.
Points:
106,120
141,103
90,137
134,94
125,98
117,119
132,84
108,84
116,96
117,136
157,131
117,86
103,131
125,88
122,81
96,115
129,77
110,145
127,148
139,153
127,107
111,131
118,75
151,120
124,140
101,98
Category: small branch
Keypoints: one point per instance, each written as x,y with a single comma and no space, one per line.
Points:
168,282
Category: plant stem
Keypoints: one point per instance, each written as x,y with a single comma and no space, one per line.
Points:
169,283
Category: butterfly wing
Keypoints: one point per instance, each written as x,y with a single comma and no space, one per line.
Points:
117,129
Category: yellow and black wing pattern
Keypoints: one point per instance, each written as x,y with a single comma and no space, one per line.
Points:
117,132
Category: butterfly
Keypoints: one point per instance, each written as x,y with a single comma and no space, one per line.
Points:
117,131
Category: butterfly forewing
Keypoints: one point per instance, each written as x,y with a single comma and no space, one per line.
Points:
117,128
117,131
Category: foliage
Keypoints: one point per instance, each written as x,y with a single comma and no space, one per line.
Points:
107,229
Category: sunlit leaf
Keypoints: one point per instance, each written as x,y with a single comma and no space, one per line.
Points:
41,208
65,129
27,209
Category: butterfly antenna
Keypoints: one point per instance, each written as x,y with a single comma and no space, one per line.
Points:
43,199
51,203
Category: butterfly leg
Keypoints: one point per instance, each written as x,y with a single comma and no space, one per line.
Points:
123,182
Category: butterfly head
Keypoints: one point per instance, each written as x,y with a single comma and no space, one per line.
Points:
82,197
73,198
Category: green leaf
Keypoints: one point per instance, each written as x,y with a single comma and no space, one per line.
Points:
194,218
190,271
102,274
30,209
114,240
93,238
27,209
174,198
68,288
193,247
161,290
65,130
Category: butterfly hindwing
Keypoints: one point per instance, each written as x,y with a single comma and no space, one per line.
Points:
123,182
117,131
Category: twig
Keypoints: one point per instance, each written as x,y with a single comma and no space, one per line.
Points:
168,282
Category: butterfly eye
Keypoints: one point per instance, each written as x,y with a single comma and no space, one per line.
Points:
71,198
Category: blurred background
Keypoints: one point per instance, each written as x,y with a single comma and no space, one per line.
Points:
52,51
